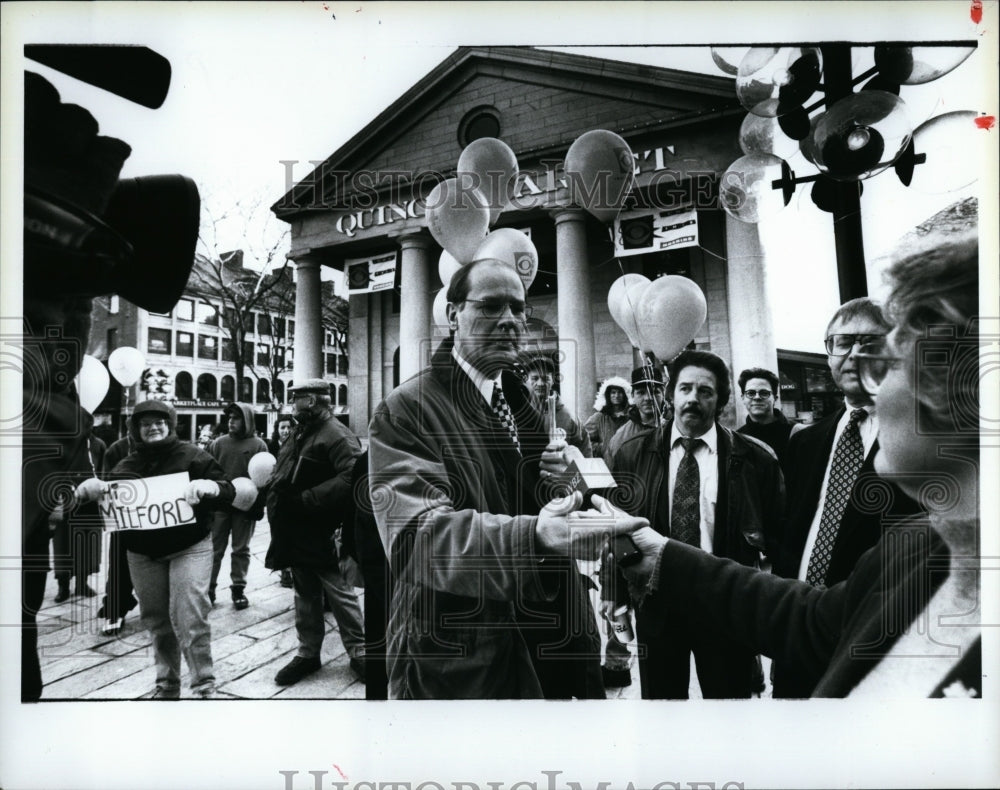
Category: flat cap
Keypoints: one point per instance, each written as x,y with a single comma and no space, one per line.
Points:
320,386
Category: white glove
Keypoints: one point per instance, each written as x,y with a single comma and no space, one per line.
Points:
201,489
90,490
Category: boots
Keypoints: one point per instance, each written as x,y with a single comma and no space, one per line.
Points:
239,599
63,593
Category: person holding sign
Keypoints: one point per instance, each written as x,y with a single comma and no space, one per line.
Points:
165,529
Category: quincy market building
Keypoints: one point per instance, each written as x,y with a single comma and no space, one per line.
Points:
360,212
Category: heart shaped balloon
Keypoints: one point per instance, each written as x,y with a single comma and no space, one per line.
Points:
513,247
492,167
599,171
92,383
670,312
457,217
126,364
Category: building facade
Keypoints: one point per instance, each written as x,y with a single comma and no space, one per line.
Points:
364,201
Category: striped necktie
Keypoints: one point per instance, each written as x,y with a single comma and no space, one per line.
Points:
502,411
848,457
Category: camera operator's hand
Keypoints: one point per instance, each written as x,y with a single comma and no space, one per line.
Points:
650,543
580,534
557,457
201,489
90,490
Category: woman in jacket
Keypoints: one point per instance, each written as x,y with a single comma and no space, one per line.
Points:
171,567
611,413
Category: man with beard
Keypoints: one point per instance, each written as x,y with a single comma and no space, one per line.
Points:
487,602
702,484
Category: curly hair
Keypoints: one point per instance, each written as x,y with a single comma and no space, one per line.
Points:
702,359
935,303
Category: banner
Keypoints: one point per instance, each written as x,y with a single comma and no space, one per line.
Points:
371,274
638,232
147,503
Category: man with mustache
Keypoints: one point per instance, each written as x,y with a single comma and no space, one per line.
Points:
828,468
703,484
487,601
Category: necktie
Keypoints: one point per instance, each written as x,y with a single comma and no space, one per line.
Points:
847,459
685,515
502,411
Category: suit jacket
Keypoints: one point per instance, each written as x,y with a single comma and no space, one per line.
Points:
874,504
476,611
839,634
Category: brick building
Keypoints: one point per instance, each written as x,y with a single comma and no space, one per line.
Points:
362,204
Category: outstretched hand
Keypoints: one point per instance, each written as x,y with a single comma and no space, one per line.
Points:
650,543
580,534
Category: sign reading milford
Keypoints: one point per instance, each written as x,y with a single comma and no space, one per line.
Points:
147,503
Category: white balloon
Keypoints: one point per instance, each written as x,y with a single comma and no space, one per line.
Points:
621,308
438,309
513,247
246,493
492,166
126,365
92,382
671,310
458,218
447,267
260,468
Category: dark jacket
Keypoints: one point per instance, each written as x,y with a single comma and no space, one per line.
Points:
163,458
839,634
774,434
310,493
476,611
874,504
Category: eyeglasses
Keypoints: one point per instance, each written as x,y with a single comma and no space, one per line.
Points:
491,309
152,423
762,394
842,345
873,365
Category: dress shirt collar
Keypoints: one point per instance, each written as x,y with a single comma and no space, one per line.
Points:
482,383
710,437
868,407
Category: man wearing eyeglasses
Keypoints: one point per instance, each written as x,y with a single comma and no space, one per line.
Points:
828,467
488,602
765,421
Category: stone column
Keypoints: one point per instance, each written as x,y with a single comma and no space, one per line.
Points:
308,321
415,302
375,362
751,333
357,378
576,336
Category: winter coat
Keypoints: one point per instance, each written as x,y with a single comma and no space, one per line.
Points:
163,458
605,423
234,452
310,493
474,602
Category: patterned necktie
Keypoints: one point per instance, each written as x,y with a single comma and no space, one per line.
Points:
685,515
502,411
847,459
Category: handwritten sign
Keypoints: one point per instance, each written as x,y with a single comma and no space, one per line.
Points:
147,503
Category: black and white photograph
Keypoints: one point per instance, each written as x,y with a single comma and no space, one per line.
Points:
499,395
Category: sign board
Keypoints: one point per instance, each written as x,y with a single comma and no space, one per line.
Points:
371,274
147,503
651,230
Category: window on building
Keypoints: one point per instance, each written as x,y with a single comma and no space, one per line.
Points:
263,391
227,389
263,354
331,363
183,386
342,395
185,344
246,390
230,315
263,325
279,357
248,351
207,314
208,347
113,304
291,329
482,121
342,365
227,350
207,387
159,341
112,339
185,309
279,391
279,327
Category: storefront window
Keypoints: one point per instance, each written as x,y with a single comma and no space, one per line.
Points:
183,386
185,344
207,387
263,391
159,341
227,390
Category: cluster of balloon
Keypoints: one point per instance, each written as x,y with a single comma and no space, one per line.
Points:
459,211
92,383
661,316
599,173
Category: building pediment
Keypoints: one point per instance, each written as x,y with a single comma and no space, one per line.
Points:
541,102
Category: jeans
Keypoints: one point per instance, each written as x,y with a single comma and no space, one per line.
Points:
241,526
310,585
173,600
